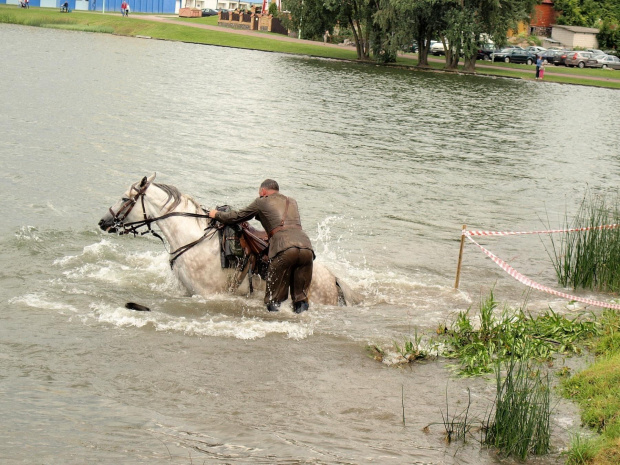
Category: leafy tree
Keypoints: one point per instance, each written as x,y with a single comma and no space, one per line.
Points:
357,15
609,35
273,9
468,21
311,17
602,14
418,20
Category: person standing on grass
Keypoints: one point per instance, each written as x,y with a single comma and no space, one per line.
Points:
123,6
542,69
539,62
126,8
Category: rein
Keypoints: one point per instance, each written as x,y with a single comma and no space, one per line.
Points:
134,226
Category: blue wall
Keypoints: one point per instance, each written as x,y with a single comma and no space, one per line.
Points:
135,6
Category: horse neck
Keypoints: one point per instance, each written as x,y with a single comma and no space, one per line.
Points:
177,230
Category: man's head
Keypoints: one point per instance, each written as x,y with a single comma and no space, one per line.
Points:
268,187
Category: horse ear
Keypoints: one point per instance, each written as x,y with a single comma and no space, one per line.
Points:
151,178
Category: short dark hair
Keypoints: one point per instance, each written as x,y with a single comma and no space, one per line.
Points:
270,184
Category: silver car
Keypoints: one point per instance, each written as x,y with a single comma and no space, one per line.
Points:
577,58
604,61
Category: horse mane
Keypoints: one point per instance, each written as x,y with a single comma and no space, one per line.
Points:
176,197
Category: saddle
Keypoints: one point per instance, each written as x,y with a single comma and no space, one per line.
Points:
245,249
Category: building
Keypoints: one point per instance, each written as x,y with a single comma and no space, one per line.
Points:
140,6
575,36
543,18
220,4
540,23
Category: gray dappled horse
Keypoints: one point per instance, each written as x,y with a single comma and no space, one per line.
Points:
194,242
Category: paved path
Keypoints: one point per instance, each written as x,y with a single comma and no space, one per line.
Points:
549,71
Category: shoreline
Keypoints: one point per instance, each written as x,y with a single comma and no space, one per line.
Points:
204,31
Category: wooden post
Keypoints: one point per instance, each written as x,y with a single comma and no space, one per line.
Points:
458,267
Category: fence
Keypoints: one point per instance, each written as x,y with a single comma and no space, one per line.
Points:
252,21
520,277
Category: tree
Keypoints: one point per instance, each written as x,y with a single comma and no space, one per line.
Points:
472,20
310,17
357,15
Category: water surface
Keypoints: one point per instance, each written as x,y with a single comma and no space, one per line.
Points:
387,165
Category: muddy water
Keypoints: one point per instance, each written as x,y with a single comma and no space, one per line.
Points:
386,166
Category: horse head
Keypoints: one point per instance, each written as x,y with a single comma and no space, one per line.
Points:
123,211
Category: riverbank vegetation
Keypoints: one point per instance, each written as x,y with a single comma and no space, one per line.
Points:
382,27
590,259
521,350
479,342
597,392
134,26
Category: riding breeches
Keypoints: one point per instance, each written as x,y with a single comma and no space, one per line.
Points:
290,268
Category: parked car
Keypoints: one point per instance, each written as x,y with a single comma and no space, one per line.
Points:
536,49
605,61
410,48
578,58
486,52
516,55
437,49
552,56
560,58
209,12
595,51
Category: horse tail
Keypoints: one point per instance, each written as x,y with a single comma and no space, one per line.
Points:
342,300
346,295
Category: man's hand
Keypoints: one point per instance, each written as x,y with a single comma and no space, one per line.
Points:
212,213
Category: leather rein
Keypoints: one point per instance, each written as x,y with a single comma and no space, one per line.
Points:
134,226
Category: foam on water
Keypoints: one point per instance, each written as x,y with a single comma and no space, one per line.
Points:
42,301
208,325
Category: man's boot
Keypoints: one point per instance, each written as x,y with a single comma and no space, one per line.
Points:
301,306
273,306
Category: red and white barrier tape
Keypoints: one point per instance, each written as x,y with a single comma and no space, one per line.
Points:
515,233
534,285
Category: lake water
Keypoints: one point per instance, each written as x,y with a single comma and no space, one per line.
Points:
386,165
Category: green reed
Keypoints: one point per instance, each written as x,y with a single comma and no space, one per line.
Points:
458,425
589,259
520,424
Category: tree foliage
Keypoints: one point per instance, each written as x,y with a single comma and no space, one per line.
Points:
385,26
310,17
601,14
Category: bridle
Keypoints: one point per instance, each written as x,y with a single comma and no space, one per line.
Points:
134,226
127,207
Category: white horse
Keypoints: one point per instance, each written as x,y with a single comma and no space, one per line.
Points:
193,242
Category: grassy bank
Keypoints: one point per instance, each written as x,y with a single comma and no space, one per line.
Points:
597,391
133,26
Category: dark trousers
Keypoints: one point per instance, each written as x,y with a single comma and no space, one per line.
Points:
290,268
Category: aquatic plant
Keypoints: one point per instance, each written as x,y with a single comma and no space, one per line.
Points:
512,333
520,424
459,425
589,259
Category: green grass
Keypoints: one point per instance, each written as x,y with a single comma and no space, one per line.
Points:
133,26
597,391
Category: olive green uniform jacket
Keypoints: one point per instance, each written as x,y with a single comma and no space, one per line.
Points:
269,210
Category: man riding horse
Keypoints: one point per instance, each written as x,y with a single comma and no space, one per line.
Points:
290,251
